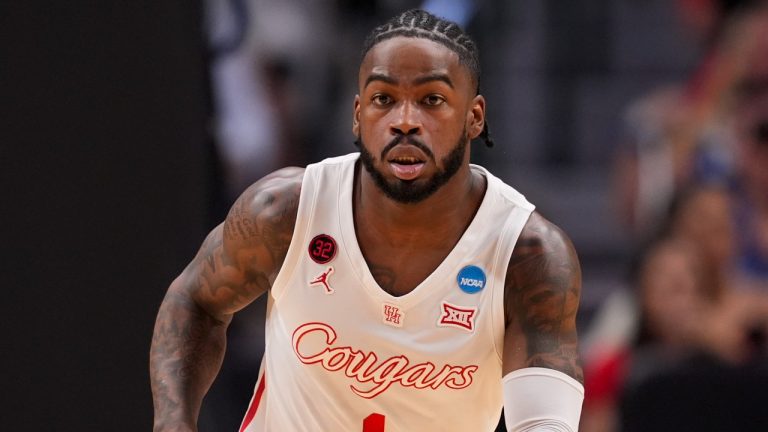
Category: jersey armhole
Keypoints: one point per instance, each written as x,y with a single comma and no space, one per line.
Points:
307,199
513,227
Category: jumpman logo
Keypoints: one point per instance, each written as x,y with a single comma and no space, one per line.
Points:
322,279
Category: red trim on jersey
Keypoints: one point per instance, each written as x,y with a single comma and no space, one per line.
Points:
254,404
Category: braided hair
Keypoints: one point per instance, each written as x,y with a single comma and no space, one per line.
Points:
416,23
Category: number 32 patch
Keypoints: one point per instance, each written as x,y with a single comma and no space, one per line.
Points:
322,249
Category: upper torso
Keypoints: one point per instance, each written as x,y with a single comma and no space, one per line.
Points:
340,348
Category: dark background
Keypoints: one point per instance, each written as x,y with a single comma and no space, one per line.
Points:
105,185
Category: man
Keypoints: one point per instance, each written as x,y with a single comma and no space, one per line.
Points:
403,283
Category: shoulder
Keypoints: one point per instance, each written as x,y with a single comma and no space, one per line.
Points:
540,232
266,208
277,189
285,182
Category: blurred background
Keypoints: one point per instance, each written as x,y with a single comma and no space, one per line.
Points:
128,128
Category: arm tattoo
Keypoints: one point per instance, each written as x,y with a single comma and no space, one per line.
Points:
186,353
221,279
265,214
256,237
236,263
542,295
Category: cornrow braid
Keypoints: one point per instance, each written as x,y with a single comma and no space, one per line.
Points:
417,23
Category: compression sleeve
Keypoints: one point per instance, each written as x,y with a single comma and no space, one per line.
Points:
541,400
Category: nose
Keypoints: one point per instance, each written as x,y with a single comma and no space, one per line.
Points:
406,120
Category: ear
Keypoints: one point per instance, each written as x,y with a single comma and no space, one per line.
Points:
476,117
356,117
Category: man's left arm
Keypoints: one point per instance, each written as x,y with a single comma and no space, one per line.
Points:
543,379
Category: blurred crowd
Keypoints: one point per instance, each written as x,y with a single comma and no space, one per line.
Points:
690,188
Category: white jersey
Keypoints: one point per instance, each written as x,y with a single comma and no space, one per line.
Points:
344,355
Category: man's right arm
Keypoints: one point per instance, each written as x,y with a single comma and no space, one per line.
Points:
237,262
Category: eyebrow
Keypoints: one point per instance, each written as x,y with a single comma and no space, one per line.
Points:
433,77
418,81
379,77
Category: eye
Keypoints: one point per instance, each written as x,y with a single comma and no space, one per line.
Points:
433,100
380,99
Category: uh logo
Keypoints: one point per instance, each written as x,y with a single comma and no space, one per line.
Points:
391,315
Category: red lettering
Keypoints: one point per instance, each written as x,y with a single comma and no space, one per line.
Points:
365,367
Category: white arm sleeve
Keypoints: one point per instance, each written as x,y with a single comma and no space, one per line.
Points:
541,400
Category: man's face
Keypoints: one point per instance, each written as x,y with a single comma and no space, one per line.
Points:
414,116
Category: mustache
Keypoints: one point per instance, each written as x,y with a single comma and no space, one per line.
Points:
409,139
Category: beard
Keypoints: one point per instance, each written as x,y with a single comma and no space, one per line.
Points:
414,191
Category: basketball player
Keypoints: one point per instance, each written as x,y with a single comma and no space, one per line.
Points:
408,289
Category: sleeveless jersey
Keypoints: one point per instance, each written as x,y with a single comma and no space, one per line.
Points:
342,354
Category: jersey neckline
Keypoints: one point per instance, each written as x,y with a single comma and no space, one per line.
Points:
452,262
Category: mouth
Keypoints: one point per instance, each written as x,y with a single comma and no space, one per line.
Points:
406,167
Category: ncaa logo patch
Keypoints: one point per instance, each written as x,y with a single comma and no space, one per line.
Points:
322,249
471,279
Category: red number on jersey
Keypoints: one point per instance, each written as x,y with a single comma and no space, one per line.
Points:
373,423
